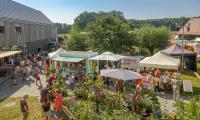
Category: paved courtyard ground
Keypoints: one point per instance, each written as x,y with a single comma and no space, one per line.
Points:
7,89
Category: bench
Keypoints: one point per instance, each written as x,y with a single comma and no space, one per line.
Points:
187,86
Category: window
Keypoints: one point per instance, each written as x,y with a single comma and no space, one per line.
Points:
2,29
18,29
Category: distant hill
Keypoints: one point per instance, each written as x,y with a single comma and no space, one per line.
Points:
172,23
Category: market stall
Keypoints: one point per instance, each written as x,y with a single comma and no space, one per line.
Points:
76,59
107,56
56,53
189,56
5,67
131,62
160,60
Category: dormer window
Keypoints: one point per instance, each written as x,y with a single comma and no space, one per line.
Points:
18,29
2,29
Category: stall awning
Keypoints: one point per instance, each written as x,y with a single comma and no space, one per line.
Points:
68,59
8,53
107,56
176,50
56,53
160,60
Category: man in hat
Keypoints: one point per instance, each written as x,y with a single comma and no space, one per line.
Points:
24,107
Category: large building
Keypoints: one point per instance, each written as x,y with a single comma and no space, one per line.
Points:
24,27
191,30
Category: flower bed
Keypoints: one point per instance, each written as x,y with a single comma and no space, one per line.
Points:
90,102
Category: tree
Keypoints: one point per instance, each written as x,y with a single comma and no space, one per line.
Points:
63,28
171,23
83,19
152,38
77,41
110,32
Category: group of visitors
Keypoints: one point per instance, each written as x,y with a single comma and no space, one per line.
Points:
45,99
21,70
35,66
157,81
46,104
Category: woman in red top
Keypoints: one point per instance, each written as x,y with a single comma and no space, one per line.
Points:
52,79
58,105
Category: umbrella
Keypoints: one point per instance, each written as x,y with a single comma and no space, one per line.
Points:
121,74
109,56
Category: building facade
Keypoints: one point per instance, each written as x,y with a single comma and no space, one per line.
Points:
24,27
191,30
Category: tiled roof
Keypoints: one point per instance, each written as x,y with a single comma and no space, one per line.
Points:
193,27
15,11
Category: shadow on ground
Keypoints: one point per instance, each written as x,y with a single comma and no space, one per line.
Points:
7,88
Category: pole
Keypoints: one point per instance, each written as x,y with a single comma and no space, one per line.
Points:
182,59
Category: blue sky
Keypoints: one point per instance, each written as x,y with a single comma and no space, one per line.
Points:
66,10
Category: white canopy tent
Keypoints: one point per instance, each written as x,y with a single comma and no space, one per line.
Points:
160,60
121,74
55,54
109,56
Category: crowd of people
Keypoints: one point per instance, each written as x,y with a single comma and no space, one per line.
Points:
163,81
46,104
35,65
153,80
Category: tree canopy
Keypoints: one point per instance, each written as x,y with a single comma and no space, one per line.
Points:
77,41
110,31
152,38
81,21
63,28
172,23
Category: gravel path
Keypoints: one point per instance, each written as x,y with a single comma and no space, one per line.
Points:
167,102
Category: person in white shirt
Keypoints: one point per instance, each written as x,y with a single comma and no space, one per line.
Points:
71,80
165,80
28,69
24,72
40,66
12,61
64,74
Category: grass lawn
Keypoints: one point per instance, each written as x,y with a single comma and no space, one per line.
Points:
189,75
13,112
